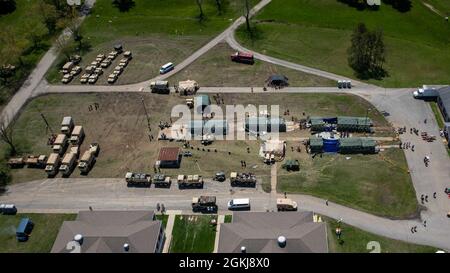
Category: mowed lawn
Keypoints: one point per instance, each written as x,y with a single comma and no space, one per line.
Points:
193,234
379,184
157,32
355,240
317,33
223,72
46,227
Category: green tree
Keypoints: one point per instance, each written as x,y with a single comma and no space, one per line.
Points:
366,54
219,6
35,31
49,15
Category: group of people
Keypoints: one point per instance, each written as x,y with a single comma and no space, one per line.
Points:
406,146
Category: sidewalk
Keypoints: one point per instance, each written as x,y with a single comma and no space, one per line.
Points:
169,228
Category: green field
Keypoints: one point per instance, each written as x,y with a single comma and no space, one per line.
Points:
193,234
354,240
317,33
155,31
223,72
46,227
379,184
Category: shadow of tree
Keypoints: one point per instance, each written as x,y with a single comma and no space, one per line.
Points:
124,5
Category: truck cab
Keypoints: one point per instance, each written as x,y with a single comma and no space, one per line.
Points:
204,204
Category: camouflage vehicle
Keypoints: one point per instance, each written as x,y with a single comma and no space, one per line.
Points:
242,179
67,78
33,161
16,162
204,204
138,179
190,181
112,78
161,181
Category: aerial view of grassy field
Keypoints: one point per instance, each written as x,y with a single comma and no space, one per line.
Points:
46,227
157,32
193,234
355,240
317,33
378,183
223,72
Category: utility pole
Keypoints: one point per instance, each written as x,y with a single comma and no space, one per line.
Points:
146,114
46,123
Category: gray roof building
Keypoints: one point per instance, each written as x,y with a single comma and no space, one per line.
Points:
443,102
112,232
259,232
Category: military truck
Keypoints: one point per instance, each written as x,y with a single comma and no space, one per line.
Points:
66,78
77,135
138,179
242,179
219,176
33,161
16,162
112,78
60,144
94,148
286,204
160,87
204,204
86,162
161,181
67,67
67,125
53,162
128,55
68,164
190,181
75,150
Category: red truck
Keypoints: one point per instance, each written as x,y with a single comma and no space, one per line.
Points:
242,57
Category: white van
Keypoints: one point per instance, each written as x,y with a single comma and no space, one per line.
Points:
166,68
239,204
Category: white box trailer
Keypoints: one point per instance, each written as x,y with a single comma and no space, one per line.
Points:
67,125
68,163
